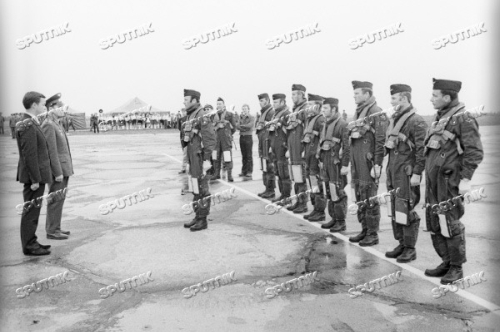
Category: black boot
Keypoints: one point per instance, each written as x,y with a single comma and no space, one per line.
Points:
191,223
370,239
312,214
439,271
329,224
301,205
229,175
454,273
338,227
201,223
408,255
358,237
293,206
268,195
320,216
396,252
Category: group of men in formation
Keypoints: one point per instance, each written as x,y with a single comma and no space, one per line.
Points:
131,121
312,145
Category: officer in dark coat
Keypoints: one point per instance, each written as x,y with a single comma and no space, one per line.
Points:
277,138
33,170
199,137
405,147
295,129
225,126
453,151
262,129
334,155
312,129
367,135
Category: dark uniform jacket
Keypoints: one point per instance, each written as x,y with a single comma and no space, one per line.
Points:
34,161
225,126
59,152
262,130
295,129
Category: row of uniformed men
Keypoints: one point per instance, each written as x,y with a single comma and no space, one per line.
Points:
313,142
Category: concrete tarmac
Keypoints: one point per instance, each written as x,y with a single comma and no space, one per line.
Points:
262,250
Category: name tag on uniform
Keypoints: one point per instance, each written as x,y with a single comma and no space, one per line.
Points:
433,144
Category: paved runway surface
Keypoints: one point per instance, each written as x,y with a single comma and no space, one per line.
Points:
262,250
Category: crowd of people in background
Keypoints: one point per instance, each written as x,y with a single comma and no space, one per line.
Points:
66,122
133,121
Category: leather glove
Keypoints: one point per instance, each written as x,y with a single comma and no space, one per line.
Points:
375,172
59,178
464,186
344,170
415,180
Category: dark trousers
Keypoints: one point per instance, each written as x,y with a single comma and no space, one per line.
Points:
29,219
55,206
94,126
13,131
246,145
1,130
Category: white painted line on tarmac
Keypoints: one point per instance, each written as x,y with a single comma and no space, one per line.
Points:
495,309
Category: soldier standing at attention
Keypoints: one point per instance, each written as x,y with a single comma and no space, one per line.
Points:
367,135
295,131
453,152
267,167
334,154
199,137
277,137
225,127
405,147
246,127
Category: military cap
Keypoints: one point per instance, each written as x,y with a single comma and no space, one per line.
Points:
311,97
331,101
263,95
208,106
220,99
279,96
446,85
192,93
53,100
298,87
397,88
363,85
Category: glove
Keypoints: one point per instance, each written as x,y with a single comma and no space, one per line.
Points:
35,186
375,172
415,180
59,178
464,186
287,154
344,170
320,164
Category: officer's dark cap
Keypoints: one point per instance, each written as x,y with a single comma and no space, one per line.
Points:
446,85
298,87
279,96
263,95
53,100
361,85
397,88
333,102
192,93
311,97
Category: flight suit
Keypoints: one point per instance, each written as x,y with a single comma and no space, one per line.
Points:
406,157
453,151
268,174
310,141
367,149
225,126
195,134
294,124
278,140
334,152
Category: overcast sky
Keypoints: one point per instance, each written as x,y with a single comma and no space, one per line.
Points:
156,67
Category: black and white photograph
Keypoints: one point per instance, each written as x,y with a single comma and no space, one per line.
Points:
274,166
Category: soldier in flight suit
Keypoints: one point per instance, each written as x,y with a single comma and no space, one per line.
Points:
405,147
453,151
367,153
312,128
198,135
277,138
295,129
225,127
268,174
334,153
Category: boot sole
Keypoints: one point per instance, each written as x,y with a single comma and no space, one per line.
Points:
368,244
435,276
197,229
337,230
406,260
